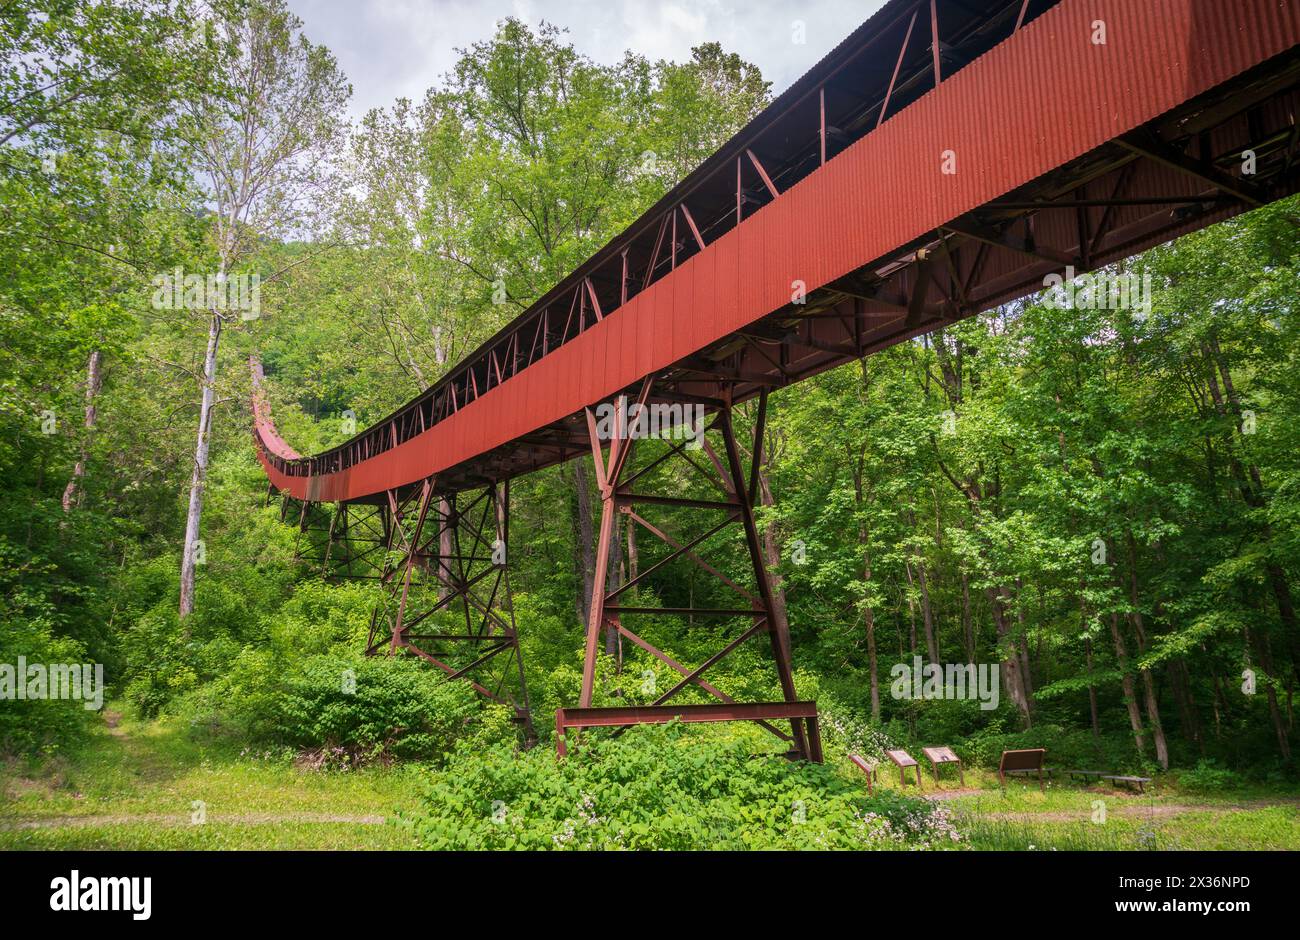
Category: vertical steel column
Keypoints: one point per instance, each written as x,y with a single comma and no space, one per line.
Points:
596,614
607,608
777,629
426,493
461,576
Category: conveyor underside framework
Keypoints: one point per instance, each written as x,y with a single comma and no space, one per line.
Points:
946,158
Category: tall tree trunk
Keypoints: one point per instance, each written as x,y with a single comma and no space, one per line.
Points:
1092,698
72,492
1187,718
927,613
1251,485
633,559
1153,717
873,666
911,606
1023,643
860,493
1011,663
869,622
772,551
1264,657
1126,681
1220,702
1148,683
199,475
505,597
1013,666
1286,612
967,620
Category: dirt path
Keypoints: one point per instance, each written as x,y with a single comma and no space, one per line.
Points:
1127,804
1135,812
164,819
113,719
142,761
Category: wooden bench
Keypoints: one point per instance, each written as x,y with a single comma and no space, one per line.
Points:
903,760
944,755
1126,780
868,769
1017,763
1085,775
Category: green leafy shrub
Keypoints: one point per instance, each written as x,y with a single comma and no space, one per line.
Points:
941,720
662,787
346,710
1066,747
37,602
372,708
1208,777
320,617
29,727
167,659
844,730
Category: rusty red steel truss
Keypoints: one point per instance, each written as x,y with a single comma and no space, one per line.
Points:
441,561
626,492
947,157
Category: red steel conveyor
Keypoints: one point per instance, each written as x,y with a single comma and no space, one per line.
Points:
1065,151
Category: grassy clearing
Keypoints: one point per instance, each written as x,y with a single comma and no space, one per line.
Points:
279,835
1191,828
1072,817
134,786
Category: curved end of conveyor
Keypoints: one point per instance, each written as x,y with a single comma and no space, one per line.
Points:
272,450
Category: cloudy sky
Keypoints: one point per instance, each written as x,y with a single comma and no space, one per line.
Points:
395,48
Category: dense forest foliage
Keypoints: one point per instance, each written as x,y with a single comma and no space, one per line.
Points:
1105,503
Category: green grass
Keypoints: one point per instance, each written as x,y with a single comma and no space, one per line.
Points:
292,836
133,787
1069,817
136,786
1263,828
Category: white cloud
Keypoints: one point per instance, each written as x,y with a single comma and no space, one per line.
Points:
401,48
